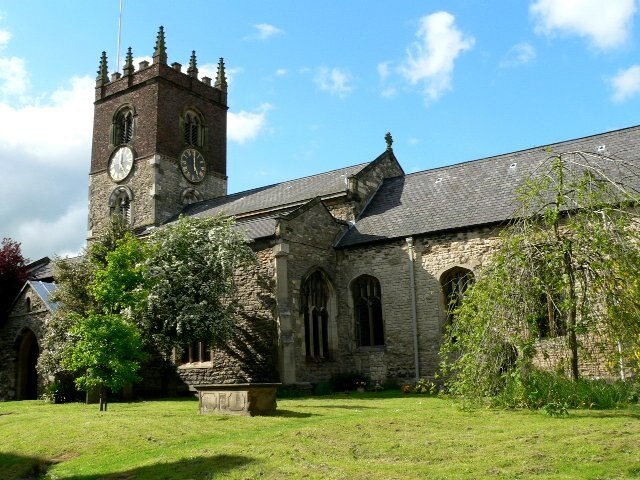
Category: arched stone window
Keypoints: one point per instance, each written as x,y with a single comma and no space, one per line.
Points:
454,283
27,304
193,129
367,303
315,309
191,195
550,322
122,127
120,203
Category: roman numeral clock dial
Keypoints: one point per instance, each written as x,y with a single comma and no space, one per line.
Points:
120,163
193,165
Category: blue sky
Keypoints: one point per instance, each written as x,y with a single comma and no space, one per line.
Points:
314,85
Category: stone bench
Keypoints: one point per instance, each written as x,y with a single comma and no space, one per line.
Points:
248,399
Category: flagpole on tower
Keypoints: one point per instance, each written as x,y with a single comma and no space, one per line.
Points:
119,34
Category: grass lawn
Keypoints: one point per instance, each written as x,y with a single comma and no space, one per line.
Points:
354,436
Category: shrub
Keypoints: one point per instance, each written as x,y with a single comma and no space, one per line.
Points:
425,386
322,388
61,390
349,381
554,393
406,388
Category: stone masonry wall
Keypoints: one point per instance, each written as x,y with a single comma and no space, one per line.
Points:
310,234
251,356
18,321
389,263
436,255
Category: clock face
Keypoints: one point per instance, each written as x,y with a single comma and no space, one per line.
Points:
121,163
193,165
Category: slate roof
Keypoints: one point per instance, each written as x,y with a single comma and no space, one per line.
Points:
468,194
259,227
282,197
41,269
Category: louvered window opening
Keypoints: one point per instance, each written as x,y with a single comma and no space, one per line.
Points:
191,130
125,127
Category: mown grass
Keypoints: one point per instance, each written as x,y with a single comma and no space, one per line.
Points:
354,436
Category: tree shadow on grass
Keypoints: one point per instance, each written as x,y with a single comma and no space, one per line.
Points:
581,414
292,414
14,466
197,468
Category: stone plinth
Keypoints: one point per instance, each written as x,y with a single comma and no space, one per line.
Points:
248,399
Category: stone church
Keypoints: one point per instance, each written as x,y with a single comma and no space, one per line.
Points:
356,266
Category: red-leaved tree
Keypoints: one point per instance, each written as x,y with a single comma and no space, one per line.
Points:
13,273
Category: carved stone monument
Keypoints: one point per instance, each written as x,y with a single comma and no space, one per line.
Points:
247,399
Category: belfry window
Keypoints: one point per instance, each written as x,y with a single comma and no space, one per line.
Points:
120,203
315,301
123,126
454,284
367,303
192,129
191,195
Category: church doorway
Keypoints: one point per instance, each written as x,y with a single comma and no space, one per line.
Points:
27,376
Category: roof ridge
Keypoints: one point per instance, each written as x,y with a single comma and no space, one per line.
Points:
517,152
364,164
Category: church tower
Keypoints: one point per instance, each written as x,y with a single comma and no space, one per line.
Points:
159,140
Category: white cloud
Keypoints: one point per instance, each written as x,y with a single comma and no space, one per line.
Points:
607,24
265,31
336,81
519,54
55,130
281,72
13,77
626,84
244,126
430,61
45,147
5,36
383,70
413,141
388,92
53,235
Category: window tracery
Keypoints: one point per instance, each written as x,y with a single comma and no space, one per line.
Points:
315,301
454,285
367,302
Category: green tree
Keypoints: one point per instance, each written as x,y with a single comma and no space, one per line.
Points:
106,351
75,296
190,279
569,261
118,286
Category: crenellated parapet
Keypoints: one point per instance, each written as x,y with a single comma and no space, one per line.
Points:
159,70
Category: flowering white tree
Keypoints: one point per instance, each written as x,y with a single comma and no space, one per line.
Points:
190,278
